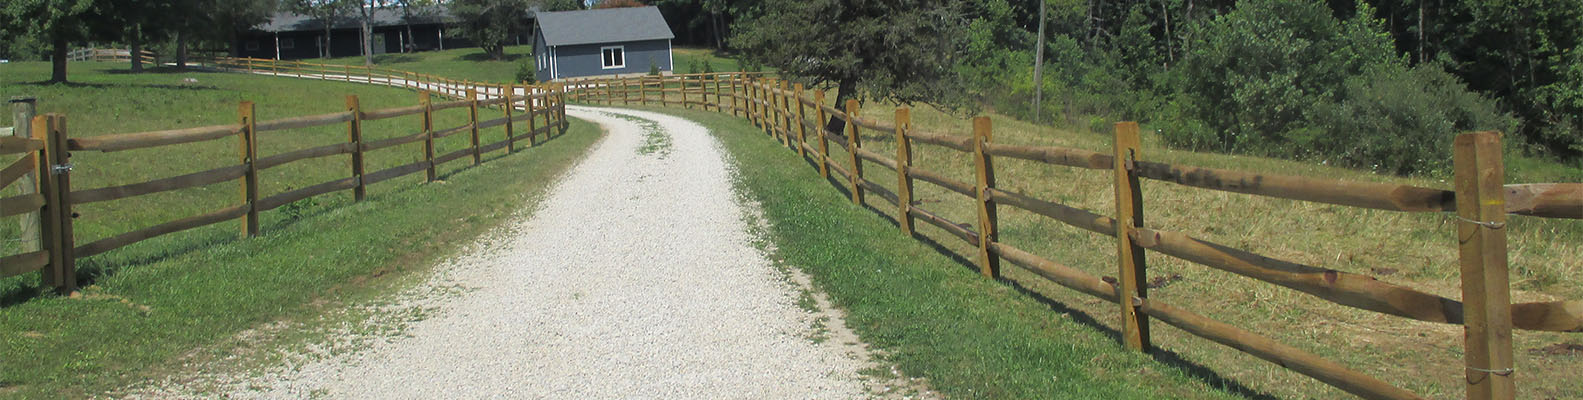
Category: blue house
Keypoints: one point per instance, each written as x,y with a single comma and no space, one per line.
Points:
612,41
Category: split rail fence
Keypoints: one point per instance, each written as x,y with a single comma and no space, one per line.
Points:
46,165
1480,200
107,55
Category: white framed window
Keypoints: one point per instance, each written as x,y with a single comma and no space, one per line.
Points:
287,44
544,59
613,56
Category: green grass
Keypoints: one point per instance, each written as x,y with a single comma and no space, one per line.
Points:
1415,250
145,306
463,64
923,309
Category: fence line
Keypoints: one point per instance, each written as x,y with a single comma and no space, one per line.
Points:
543,107
107,55
1479,198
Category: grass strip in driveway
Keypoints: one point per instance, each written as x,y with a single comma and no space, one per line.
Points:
929,312
139,322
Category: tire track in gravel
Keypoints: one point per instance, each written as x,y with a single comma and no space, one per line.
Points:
638,276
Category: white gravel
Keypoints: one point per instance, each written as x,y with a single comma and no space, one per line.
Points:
637,278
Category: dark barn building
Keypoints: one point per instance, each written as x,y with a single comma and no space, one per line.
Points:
615,41
290,36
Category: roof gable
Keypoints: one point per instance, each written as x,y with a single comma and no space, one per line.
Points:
610,25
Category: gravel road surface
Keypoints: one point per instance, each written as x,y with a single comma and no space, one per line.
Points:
639,277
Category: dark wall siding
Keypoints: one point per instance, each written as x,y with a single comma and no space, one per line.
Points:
345,42
586,60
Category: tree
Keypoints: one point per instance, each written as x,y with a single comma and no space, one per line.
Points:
491,23
136,24
601,4
409,10
903,51
60,22
366,10
326,12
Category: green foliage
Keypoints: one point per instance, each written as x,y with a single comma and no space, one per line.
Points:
709,68
526,73
1396,121
900,51
1285,78
490,23
654,69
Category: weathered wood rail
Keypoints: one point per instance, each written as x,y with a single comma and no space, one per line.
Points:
1480,200
542,106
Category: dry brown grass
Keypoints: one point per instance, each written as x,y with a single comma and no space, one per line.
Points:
1416,250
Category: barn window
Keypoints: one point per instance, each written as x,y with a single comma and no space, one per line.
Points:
252,45
287,44
614,56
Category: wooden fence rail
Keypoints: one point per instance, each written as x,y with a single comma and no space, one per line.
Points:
1479,198
542,105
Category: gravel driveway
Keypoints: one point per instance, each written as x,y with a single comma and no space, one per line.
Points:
639,277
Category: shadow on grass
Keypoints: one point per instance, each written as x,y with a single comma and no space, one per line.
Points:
78,85
486,57
396,58
163,69
1166,357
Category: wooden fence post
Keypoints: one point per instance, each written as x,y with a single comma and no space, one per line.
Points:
472,123
783,113
625,87
23,109
988,218
903,177
249,153
1486,290
819,131
509,91
852,144
533,119
682,83
54,180
802,125
735,111
354,134
715,79
1129,256
424,98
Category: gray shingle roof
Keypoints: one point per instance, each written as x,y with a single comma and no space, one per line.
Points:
609,25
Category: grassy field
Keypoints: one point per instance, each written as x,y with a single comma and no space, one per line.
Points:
1417,250
147,304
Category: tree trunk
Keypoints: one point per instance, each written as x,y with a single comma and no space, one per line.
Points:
368,44
135,40
328,40
717,26
846,89
57,72
181,50
1038,68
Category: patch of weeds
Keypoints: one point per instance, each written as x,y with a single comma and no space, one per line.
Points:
821,330
655,140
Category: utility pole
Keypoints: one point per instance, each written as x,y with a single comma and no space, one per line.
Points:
1038,67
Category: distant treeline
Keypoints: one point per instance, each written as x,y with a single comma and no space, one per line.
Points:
1379,84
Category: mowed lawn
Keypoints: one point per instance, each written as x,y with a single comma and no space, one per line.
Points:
146,305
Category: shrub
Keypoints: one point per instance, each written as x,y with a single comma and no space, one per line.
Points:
525,72
1284,78
654,69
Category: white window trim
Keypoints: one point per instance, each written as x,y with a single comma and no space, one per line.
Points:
288,44
623,57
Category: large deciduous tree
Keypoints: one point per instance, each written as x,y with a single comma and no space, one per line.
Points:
491,23
903,51
60,22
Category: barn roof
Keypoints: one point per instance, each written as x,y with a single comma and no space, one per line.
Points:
610,25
